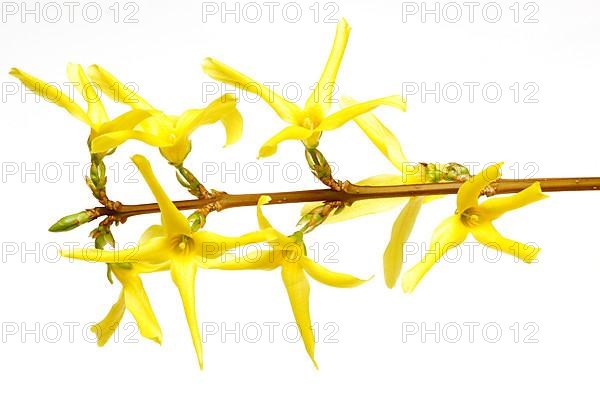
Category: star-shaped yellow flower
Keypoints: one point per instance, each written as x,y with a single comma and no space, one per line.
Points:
409,173
174,246
171,134
307,124
95,116
476,219
289,253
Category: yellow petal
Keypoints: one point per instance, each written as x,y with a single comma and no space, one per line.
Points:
52,94
321,98
153,251
111,140
393,257
487,235
125,121
115,89
258,260
286,110
290,133
365,207
328,277
380,135
233,122
174,222
496,206
77,76
271,233
298,291
263,222
469,192
223,109
209,245
341,117
450,233
138,304
184,276
153,231
105,328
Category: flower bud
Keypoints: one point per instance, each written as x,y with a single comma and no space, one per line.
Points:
72,221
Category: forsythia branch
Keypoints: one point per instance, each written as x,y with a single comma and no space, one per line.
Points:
349,194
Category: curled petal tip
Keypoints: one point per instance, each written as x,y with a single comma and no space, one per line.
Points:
266,151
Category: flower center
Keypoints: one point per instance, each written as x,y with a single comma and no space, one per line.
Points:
183,245
308,123
471,217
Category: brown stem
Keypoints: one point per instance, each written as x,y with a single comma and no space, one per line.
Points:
351,193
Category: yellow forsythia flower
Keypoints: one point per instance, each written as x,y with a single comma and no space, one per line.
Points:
169,133
289,252
95,117
476,219
307,124
172,245
409,173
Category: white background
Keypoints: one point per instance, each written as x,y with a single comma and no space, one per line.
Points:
162,53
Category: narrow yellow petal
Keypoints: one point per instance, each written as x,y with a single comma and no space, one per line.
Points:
116,89
380,135
328,277
321,98
450,233
184,276
138,304
263,222
496,206
365,207
114,139
96,111
125,121
469,192
233,122
222,109
151,252
487,235
209,245
105,328
174,222
258,260
298,291
286,110
341,117
393,257
290,133
52,94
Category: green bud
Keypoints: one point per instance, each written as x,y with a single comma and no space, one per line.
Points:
72,221
197,220
317,163
100,241
455,171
